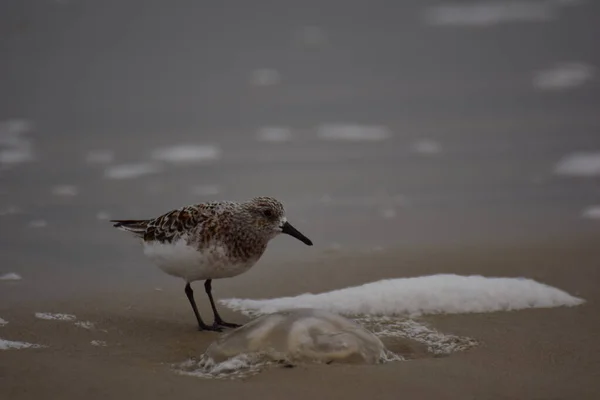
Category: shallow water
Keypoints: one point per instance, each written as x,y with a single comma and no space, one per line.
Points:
97,93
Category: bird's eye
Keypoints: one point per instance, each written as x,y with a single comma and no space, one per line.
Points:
268,213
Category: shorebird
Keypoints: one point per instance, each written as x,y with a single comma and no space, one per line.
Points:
212,240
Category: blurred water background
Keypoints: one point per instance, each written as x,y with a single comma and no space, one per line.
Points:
379,124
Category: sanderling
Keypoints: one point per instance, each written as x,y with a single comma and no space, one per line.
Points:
211,240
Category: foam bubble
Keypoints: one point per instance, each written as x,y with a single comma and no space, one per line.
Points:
12,345
237,367
436,342
131,171
16,155
187,153
592,212
274,134
15,148
55,316
3,322
85,325
12,128
585,164
98,343
563,76
11,276
353,132
434,294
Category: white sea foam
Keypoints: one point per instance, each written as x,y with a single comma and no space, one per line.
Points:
427,147
65,190
275,134
592,212
237,367
579,164
436,342
38,223
434,294
490,13
131,171
12,345
15,148
100,157
11,276
12,128
563,76
98,343
3,322
241,366
265,77
353,132
85,325
55,316
16,155
187,153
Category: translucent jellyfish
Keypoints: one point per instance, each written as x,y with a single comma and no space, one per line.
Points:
301,335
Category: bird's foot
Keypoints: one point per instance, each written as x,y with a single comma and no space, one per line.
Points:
222,323
210,328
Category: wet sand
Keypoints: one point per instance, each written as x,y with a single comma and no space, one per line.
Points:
529,354
132,79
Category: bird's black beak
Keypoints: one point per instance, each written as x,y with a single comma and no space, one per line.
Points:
287,228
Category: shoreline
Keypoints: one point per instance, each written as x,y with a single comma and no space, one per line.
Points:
532,353
306,274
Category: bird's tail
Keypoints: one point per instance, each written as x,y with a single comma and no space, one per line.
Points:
137,227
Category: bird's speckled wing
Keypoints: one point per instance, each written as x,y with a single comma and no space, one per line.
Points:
198,222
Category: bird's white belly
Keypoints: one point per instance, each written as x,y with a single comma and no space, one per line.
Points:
184,261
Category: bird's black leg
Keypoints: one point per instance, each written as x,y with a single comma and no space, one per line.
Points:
201,325
218,320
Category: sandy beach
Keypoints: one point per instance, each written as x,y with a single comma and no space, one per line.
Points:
534,354
404,138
